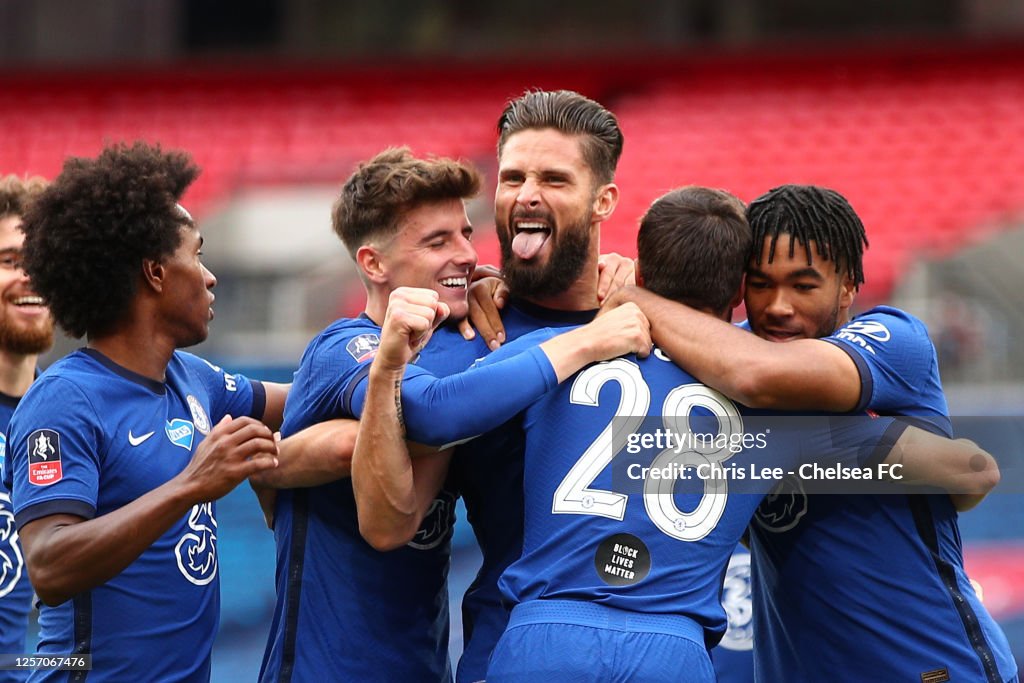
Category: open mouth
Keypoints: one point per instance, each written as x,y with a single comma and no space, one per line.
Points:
530,237
455,282
29,302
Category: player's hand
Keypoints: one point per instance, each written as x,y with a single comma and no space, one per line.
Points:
617,297
614,271
412,315
233,450
485,270
487,297
620,331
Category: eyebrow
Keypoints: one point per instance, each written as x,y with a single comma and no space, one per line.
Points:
434,235
795,275
543,173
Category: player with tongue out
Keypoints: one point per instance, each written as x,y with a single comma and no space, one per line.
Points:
557,153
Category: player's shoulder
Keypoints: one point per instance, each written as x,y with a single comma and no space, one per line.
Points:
75,384
359,337
883,318
79,369
187,372
184,361
881,327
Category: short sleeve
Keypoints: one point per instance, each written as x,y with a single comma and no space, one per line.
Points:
230,394
896,362
54,444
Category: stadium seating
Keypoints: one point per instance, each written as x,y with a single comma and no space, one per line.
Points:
928,147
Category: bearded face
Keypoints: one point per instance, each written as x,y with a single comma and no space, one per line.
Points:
544,211
25,323
567,248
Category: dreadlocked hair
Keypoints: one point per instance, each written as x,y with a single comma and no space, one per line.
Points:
809,213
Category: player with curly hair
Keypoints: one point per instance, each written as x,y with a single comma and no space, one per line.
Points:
118,451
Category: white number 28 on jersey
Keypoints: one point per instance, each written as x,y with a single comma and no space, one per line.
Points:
574,495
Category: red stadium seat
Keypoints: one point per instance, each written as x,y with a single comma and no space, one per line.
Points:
930,150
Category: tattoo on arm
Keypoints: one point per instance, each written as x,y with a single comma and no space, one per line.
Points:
398,404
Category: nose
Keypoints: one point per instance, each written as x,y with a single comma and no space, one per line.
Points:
465,253
529,194
209,278
779,306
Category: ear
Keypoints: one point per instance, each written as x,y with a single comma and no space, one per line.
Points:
369,261
153,274
605,201
847,293
740,293
637,274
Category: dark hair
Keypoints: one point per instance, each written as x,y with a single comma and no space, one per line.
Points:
383,189
16,193
693,247
87,234
810,213
570,113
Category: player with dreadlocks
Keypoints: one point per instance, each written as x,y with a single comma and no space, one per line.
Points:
820,581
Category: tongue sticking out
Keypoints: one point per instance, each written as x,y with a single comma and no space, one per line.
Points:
525,245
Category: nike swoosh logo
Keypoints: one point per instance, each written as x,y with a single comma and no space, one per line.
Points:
136,440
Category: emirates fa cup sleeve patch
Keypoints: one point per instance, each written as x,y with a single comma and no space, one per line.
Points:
622,560
44,457
363,347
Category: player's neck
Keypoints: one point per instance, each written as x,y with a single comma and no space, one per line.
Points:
146,355
377,306
843,318
581,295
17,370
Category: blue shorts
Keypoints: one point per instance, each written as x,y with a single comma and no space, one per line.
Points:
571,641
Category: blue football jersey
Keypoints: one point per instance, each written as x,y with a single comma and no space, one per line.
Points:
372,615
489,473
733,657
614,520
15,590
905,609
90,437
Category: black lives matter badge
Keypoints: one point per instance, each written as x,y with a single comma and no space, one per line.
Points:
44,457
622,560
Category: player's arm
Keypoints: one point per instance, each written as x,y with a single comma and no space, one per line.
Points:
959,466
804,374
393,491
67,554
523,377
318,454
273,411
